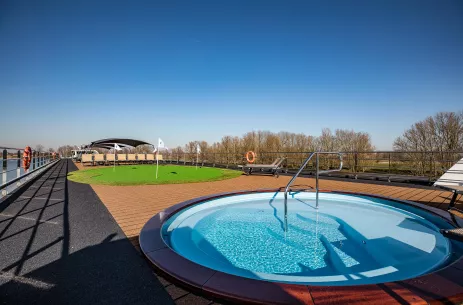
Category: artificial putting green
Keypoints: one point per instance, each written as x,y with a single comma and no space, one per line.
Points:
146,174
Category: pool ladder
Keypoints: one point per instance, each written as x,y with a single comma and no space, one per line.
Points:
317,172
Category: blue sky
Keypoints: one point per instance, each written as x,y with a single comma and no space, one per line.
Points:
77,71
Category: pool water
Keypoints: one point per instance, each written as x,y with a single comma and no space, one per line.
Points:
348,240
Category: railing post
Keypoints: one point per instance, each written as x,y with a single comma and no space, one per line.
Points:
33,160
5,165
316,183
389,170
18,168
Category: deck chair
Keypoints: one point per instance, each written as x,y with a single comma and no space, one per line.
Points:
452,180
110,159
121,158
132,158
87,158
273,168
98,158
150,158
141,158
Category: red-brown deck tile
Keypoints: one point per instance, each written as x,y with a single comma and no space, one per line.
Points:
244,290
401,294
366,294
438,287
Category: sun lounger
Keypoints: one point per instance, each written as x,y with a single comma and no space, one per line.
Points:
273,168
121,158
98,159
150,158
141,158
110,159
452,181
131,158
87,158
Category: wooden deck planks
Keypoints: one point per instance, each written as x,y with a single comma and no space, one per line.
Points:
132,206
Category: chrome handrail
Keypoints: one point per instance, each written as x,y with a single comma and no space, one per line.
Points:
317,172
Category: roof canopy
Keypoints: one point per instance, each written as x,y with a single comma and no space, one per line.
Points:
109,143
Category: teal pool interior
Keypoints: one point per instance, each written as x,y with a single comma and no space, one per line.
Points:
348,240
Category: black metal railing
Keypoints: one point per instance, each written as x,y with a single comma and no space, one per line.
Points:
415,163
12,172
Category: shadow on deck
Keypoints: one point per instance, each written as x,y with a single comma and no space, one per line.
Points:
60,245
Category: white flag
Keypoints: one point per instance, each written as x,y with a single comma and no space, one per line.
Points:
198,149
116,147
160,143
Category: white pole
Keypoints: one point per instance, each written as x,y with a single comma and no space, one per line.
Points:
197,160
157,164
114,167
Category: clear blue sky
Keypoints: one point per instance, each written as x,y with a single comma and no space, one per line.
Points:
76,71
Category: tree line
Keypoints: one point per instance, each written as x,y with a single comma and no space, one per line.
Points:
269,145
428,146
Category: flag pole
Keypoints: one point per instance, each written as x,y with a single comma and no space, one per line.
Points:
157,163
156,154
114,166
197,154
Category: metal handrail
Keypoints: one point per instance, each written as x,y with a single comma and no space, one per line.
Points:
317,172
38,163
25,175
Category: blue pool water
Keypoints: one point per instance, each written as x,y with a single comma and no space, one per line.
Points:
349,240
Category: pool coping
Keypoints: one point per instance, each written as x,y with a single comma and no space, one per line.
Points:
444,286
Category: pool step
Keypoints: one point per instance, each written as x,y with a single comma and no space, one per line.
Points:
456,234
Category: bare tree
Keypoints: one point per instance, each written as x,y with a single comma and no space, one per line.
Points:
432,142
65,150
39,148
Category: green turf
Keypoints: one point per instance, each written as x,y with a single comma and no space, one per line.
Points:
146,174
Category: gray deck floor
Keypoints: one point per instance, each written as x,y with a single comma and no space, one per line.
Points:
60,245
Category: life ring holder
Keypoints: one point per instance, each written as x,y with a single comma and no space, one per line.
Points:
253,155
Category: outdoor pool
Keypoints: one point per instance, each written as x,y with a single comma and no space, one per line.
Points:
349,240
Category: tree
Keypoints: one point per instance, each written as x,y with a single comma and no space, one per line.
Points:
39,148
65,150
432,141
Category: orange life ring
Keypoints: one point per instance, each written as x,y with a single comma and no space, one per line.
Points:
253,155
27,156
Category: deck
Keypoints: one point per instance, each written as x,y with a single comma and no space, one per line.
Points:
65,243
132,206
